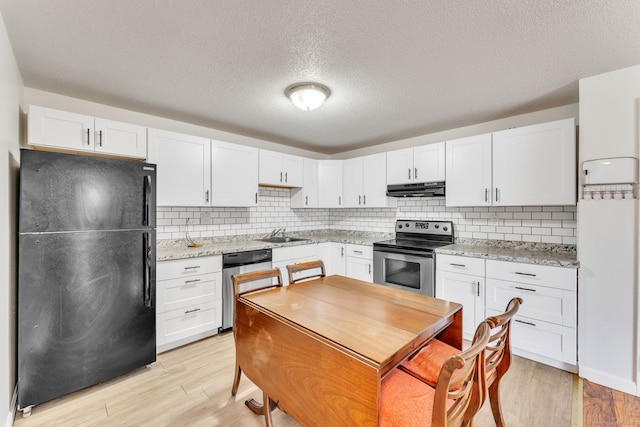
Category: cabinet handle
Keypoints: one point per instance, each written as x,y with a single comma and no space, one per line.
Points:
409,173
342,251
256,198
286,177
526,274
306,200
369,269
458,265
357,252
339,200
206,196
188,282
486,194
364,199
100,137
192,268
526,323
496,194
525,289
88,136
359,199
280,176
415,173
191,311
478,293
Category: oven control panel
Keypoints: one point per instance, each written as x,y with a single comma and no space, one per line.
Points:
443,228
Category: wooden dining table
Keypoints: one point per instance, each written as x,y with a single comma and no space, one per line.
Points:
320,349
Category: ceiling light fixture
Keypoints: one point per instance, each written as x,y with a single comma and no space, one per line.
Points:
307,96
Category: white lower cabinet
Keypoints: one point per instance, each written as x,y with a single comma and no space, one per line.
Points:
334,257
188,300
461,279
545,328
359,262
281,257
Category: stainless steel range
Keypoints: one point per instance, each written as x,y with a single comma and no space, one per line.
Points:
407,261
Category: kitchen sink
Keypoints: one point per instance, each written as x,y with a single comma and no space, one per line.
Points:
281,239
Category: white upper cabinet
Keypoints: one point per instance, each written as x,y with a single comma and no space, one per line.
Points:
425,163
234,174
531,165
535,165
280,170
184,168
48,127
469,171
365,182
329,183
307,195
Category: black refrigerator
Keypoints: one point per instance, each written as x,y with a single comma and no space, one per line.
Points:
86,272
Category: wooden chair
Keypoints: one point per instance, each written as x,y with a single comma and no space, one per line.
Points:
458,395
239,280
427,362
317,266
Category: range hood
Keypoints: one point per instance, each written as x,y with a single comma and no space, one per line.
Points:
420,189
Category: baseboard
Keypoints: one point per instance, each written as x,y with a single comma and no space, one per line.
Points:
546,360
608,380
11,416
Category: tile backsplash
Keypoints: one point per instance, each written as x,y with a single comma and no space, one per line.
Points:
546,224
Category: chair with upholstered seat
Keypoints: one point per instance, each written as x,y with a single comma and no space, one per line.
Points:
459,392
243,284
427,362
314,269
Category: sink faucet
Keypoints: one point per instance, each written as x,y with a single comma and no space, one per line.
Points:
275,232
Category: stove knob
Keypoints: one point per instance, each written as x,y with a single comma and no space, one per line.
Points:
399,225
407,225
445,229
437,226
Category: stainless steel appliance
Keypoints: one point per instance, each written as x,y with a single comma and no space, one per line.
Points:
407,262
86,272
419,189
236,263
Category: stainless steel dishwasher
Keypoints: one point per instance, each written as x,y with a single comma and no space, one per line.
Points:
236,263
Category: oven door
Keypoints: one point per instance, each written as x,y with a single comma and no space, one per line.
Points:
404,269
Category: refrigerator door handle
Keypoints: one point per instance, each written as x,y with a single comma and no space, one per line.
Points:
146,297
147,198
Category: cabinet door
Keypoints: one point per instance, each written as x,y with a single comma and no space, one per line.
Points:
60,129
374,182
184,168
234,174
468,171
293,168
535,165
271,172
466,290
334,257
360,268
120,139
307,195
429,163
353,182
330,183
400,166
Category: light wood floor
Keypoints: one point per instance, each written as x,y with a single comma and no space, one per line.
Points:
190,386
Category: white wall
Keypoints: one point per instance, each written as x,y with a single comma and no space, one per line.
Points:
608,236
10,97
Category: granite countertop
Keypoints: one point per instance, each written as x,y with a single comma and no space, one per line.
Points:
530,253
177,249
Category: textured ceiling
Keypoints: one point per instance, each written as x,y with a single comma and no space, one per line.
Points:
396,69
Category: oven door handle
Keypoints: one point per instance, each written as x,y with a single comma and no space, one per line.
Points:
420,254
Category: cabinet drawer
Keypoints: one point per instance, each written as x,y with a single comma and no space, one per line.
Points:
360,251
460,264
545,275
539,302
179,293
542,338
294,252
185,322
188,267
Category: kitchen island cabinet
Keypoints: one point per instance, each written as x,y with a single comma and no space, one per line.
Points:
62,130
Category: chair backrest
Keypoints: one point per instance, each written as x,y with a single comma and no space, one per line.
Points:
266,276
462,380
317,267
498,356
